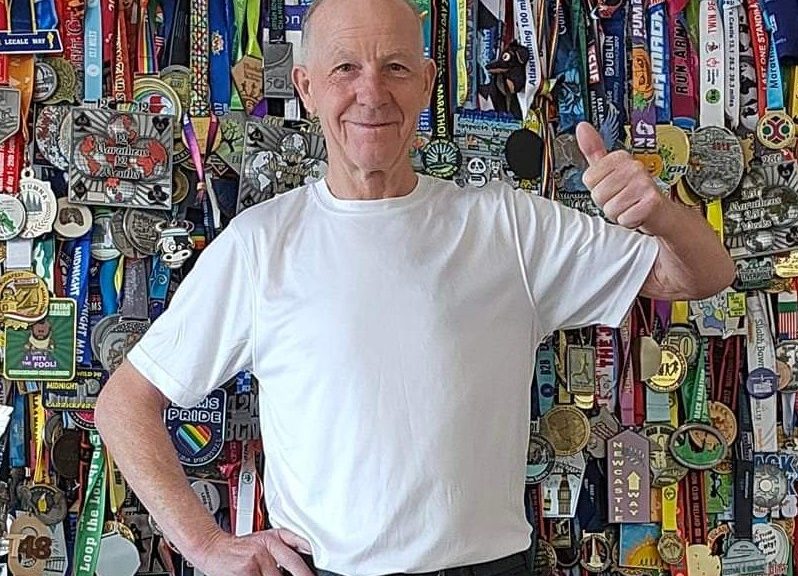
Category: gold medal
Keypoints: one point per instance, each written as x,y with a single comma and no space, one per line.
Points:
672,371
567,428
23,297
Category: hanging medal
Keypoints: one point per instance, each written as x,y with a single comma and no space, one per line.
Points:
441,156
775,129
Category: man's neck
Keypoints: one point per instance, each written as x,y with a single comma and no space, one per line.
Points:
360,185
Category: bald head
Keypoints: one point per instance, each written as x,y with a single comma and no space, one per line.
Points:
354,5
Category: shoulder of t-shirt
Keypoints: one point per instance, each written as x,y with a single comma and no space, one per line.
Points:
279,209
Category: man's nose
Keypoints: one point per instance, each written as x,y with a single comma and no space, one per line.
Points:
372,89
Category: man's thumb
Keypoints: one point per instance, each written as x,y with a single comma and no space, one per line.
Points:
590,143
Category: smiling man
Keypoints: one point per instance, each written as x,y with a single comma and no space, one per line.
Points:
391,320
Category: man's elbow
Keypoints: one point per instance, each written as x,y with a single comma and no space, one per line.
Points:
125,394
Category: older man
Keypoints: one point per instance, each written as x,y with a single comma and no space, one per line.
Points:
390,319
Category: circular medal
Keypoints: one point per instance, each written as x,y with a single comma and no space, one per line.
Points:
524,154
773,542
545,559
762,383
665,471
567,428
66,83
118,555
120,239
651,161
40,205
785,375
178,79
744,558
72,220
441,158
119,340
23,296
701,562
595,552
539,459
775,130
49,504
671,548
65,454
693,455
12,217
48,132
45,81
180,186
83,419
154,96
140,229
770,486
683,337
716,162
99,331
673,147
208,495
723,420
102,241
672,371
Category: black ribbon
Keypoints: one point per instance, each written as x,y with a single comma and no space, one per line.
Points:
744,469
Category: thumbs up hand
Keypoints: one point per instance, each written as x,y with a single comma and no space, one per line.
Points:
619,185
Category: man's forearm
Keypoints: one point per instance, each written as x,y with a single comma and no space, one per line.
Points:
693,263
130,421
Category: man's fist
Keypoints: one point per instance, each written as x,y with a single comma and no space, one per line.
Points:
620,185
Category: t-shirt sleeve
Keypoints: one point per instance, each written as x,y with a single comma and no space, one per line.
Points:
204,337
580,270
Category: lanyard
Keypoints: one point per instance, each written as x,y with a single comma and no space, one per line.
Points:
597,94
93,56
711,106
221,23
731,27
683,66
759,41
90,524
614,61
762,381
659,47
643,113
525,25
200,85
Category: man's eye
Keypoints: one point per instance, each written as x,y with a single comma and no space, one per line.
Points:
344,68
398,68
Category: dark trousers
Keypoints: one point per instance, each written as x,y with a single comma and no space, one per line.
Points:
518,564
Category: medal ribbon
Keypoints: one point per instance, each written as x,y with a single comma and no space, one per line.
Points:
567,65
743,472
614,61
245,498
78,288
731,27
660,59
683,65
219,65
627,392
159,287
146,62
200,85
607,356
46,16
253,18
36,411
712,85
440,40
16,433
525,29
21,14
109,16
643,112
597,95
775,90
460,18
93,57
697,505
21,73
123,82
759,42
761,354
90,524
545,376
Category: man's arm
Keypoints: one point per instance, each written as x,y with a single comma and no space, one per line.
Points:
129,417
692,263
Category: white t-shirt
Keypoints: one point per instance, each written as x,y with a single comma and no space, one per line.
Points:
394,344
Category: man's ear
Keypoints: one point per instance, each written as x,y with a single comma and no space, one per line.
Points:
301,78
429,73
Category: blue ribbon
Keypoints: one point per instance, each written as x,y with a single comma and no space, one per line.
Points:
93,52
545,377
659,48
78,288
221,18
159,287
46,17
16,433
108,293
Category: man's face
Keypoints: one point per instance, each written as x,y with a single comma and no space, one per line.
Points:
367,80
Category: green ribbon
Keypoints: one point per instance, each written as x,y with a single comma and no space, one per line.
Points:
90,524
253,38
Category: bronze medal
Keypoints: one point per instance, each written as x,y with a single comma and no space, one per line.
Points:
567,428
24,298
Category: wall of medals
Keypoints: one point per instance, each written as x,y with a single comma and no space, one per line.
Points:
131,131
